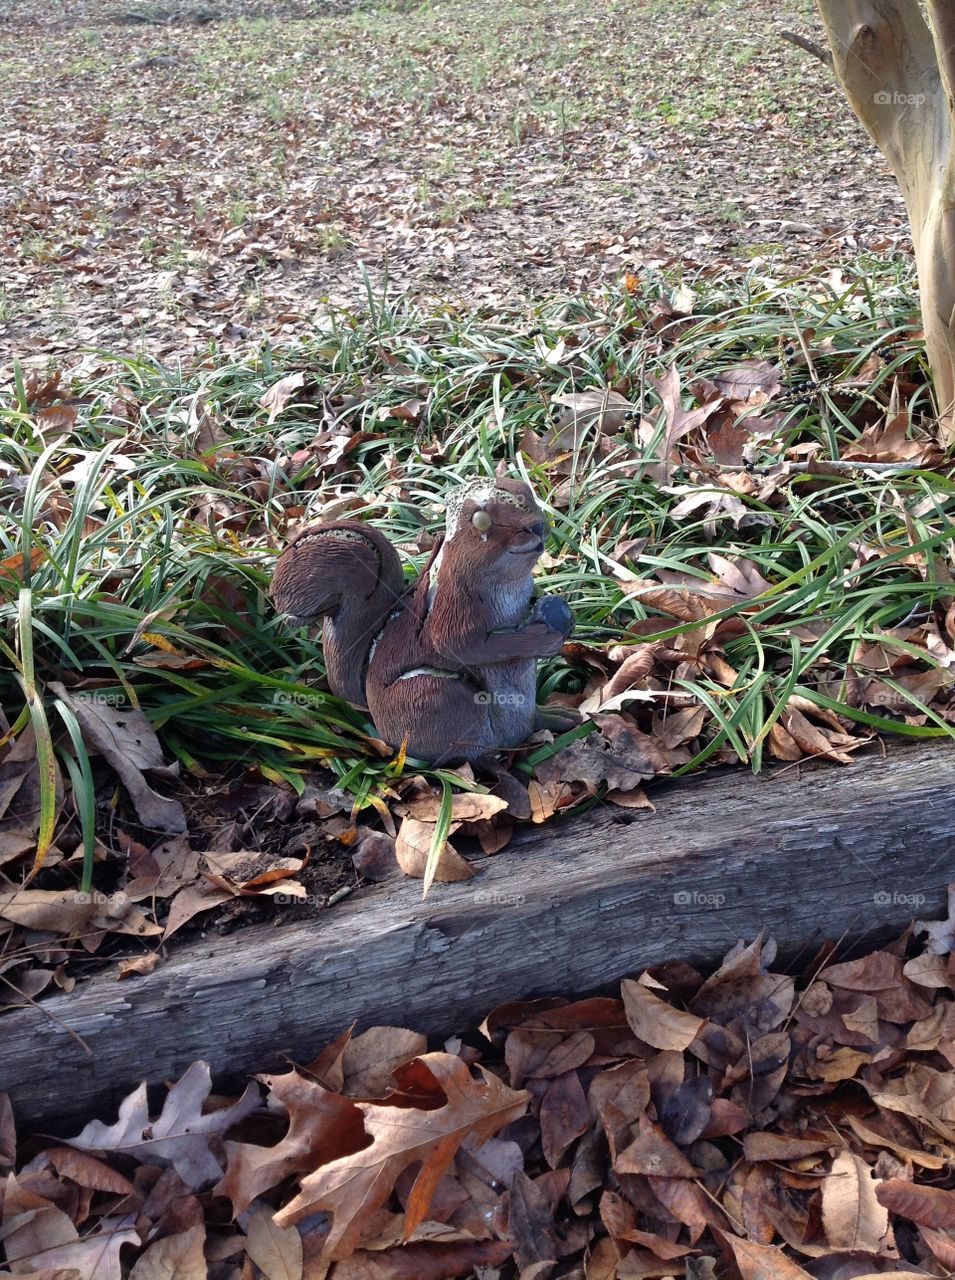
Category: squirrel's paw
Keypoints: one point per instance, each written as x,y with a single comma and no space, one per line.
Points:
555,611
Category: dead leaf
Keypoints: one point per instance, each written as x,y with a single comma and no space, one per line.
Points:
762,1261
322,1125
175,1257
138,965
407,411
8,1137
678,422
352,1187
426,1261
926,1206
191,901
466,806
656,1022
886,441
600,407
280,393
413,846
530,1223
738,576
370,1060
747,381
763,1144
617,754
243,872
13,566
46,1240
59,911
87,1171
652,1153
880,1140
564,1116
637,798
180,1135
852,1213
275,1250
128,742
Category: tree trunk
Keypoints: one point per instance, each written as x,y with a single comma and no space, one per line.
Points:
897,71
850,854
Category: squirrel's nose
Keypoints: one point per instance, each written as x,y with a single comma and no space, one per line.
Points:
538,527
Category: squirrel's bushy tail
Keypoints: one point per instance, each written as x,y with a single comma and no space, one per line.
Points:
350,575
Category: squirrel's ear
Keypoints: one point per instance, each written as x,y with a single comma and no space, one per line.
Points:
501,470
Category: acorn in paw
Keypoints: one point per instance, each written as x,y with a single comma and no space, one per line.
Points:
450,663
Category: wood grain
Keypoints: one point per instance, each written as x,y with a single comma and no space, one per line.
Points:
852,851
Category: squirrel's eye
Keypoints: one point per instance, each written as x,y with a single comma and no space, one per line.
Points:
481,521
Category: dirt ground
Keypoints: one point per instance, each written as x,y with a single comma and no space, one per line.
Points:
175,173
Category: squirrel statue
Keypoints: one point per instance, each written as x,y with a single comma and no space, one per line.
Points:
450,662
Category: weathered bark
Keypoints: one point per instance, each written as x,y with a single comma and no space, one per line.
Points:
848,853
897,71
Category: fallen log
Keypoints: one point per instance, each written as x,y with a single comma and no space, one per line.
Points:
850,853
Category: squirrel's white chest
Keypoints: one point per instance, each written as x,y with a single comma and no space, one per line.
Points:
500,605
512,699
508,694
511,687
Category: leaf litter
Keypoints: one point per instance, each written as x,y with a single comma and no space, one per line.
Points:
164,191
748,1124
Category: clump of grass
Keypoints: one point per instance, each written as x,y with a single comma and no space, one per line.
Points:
139,524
